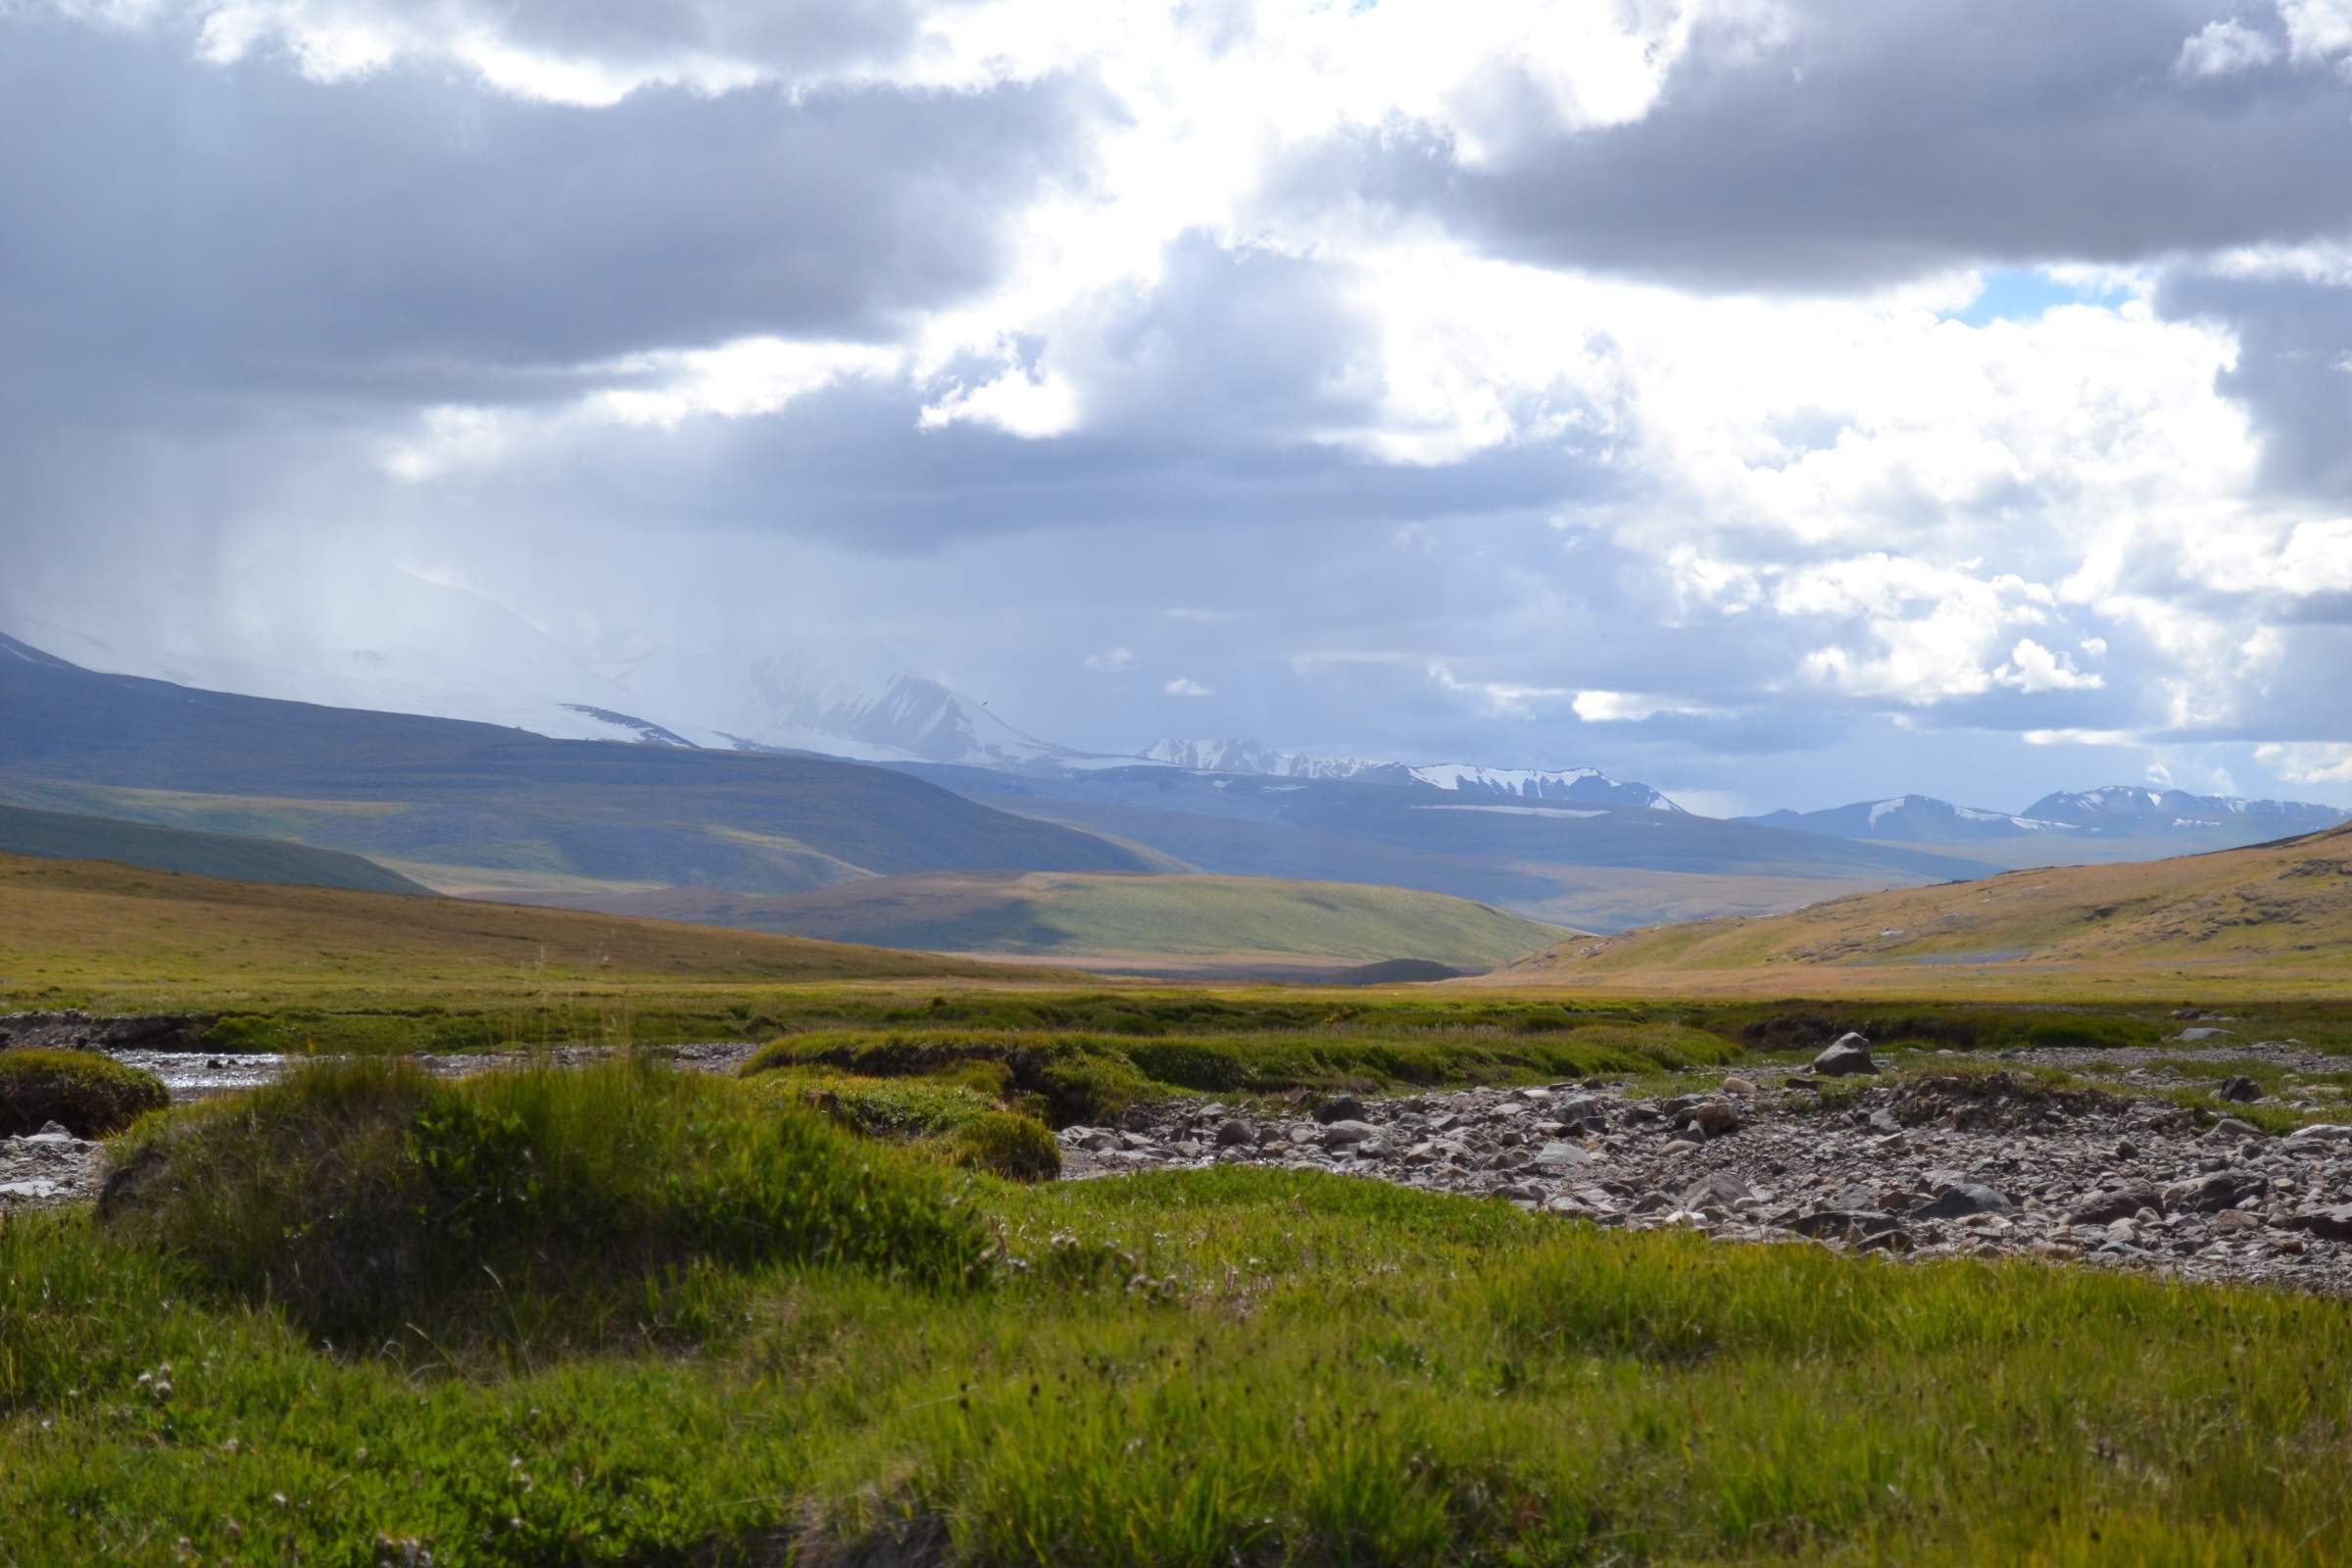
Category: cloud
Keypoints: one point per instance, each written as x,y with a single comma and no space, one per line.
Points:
1631,708
2225,48
2326,763
1186,686
1698,387
2033,667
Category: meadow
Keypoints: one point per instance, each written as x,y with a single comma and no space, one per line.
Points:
821,1310
935,1366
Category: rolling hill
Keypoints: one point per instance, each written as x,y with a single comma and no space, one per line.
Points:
66,836
2278,915
1231,920
72,930
1593,863
457,805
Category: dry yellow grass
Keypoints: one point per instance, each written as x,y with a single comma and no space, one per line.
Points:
92,928
2273,918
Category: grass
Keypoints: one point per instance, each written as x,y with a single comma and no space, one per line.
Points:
373,1203
1282,1368
1092,1078
87,1093
2266,920
1225,918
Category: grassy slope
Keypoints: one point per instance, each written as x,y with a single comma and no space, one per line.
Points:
1545,882
1192,1368
1065,914
2275,917
66,836
439,792
124,938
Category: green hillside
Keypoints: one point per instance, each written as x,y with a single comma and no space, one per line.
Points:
484,806
66,836
1070,915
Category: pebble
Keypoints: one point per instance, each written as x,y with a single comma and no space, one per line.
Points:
1922,1167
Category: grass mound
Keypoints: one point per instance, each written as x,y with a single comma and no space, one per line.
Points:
87,1093
1007,1144
1092,1078
365,1196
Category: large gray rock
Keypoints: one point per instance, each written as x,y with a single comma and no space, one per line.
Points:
2104,1208
1961,1200
1559,1156
2335,1224
1846,1056
2209,1195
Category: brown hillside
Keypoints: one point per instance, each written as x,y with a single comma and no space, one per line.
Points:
2271,915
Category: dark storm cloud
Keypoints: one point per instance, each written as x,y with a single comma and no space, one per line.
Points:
408,238
2293,371
1882,140
1205,399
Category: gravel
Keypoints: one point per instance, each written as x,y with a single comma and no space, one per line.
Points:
1929,1166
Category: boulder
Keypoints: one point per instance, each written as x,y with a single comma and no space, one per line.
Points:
2210,1195
2335,1224
2104,1208
1961,1200
1714,1117
1559,1157
1845,1058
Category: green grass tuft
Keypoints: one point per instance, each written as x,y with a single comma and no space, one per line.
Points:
87,1093
1007,1144
368,1198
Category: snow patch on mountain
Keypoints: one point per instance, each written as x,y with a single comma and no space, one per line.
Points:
1583,784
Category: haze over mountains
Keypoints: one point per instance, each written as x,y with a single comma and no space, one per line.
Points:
951,788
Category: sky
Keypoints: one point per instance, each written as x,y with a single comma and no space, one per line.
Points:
1782,402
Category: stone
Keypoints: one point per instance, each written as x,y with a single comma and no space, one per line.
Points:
1961,1200
1717,1190
1714,1117
1846,1056
2105,1208
1340,1108
2209,1195
1852,1223
1559,1156
2330,1224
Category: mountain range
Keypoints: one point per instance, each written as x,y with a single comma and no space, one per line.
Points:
1571,846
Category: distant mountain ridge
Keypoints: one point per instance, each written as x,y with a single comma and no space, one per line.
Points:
2109,812
1570,786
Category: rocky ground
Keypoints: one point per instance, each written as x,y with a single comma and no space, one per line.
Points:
1933,1165
52,1166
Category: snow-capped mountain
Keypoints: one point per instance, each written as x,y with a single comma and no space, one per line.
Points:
1249,756
1580,786
1576,786
2136,811
1914,819
848,698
